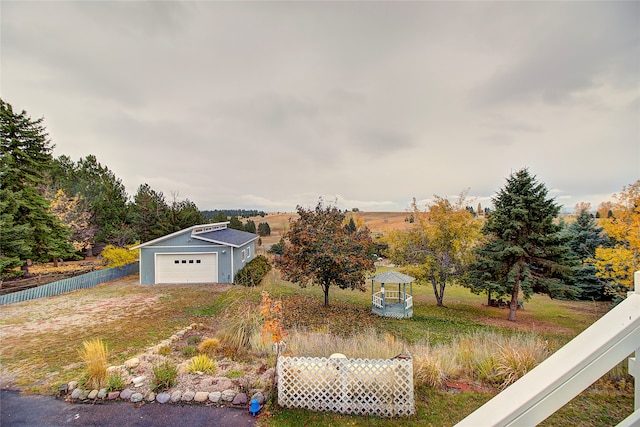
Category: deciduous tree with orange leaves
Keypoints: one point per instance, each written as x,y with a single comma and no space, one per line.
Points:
320,250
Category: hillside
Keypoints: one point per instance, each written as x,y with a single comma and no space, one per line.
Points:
378,222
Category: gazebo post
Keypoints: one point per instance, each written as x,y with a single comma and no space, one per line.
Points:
384,303
404,299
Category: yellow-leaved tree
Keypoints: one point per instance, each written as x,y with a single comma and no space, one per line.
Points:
617,264
439,248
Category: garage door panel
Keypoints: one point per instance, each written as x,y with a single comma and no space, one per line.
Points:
186,268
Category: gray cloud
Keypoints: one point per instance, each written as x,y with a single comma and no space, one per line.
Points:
270,105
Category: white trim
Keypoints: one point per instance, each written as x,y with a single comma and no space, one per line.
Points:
225,243
190,247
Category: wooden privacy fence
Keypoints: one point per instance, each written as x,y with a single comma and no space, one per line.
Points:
382,387
87,280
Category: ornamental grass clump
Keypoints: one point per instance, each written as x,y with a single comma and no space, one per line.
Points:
202,363
209,346
94,356
164,377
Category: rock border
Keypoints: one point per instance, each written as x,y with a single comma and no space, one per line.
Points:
228,397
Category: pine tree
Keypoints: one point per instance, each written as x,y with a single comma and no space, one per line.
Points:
264,229
584,237
25,156
525,251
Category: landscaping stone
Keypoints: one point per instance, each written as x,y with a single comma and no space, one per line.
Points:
126,394
132,363
259,397
84,395
137,397
102,393
222,384
240,399
138,381
201,396
63,389
151,396
113,395
228,395
214,396
76,393
176,395
73,385
188,396
93,394
163,397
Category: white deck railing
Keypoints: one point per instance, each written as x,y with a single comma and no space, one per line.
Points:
570,370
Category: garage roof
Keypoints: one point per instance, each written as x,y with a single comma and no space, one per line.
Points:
214,233
227,236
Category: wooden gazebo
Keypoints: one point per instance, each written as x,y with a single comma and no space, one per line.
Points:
392,303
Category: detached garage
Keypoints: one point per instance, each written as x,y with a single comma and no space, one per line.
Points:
210,253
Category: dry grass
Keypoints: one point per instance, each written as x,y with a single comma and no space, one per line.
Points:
489,357
368,344
94,355
210,346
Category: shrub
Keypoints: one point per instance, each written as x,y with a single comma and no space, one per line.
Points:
253,273
277,248
210,346
118,257
165,350
190,350
94,356
164,377
202,363
115,382
194,339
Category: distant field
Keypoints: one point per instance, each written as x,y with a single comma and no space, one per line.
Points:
378,222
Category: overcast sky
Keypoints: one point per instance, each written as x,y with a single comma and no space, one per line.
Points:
270,105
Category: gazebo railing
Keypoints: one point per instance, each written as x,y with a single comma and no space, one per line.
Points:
376,300
379,299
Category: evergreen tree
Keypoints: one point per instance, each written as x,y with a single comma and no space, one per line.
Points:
25,156
235,223
584,237
219,217
250,226
264,229
109,201
150,214
351,226
525,251
183,214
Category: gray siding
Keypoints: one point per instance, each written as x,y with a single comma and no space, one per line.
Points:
229,258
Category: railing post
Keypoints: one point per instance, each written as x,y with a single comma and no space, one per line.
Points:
634,363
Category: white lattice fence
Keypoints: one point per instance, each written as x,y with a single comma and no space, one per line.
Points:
349,386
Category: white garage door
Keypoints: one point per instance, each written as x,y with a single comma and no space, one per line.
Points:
187,268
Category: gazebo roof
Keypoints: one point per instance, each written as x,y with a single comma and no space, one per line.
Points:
392,277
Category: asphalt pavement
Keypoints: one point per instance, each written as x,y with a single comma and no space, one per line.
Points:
19,410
